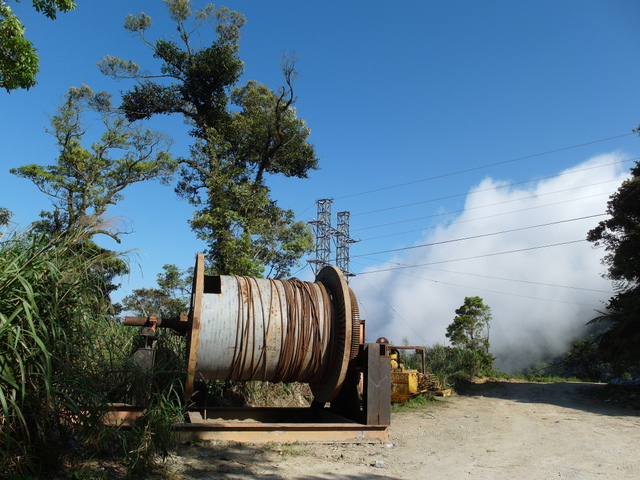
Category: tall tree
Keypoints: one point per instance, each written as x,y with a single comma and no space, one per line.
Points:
243,133
620,235
18,58
170,299
469,332
84,182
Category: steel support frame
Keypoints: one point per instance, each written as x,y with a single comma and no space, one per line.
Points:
376,396
370,370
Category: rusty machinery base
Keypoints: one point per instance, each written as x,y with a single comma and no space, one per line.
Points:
368,421
262,424
276,425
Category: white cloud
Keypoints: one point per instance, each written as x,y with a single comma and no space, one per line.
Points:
531,318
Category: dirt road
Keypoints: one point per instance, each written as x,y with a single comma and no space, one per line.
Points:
496,431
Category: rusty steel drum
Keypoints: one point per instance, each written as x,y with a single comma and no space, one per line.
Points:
246,329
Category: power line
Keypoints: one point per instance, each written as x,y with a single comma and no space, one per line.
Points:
449,197
525,197
395,311
473,258
473,237
497,291
482,167
432,227
528,282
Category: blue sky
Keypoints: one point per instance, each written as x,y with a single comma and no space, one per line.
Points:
393,94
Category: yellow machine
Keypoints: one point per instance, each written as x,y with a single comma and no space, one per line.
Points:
407,383
404,383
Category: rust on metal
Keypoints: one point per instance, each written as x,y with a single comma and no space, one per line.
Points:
341,333
357,334
377,385
257,425
242,329
196,311
267,330
277,425
179,324
281,433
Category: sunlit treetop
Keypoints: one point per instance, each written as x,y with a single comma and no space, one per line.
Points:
19,63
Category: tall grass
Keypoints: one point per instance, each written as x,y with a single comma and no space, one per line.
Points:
48,291
63,358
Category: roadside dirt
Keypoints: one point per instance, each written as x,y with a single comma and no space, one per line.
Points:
497,430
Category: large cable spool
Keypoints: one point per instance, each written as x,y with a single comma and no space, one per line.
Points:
272,330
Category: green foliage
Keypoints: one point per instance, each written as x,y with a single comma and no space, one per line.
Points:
5,216
540,378
470,327
50,301
584,359
267,394
168,301
85,182
469,332
151,436
410,359
222,393
50,8
454,364
620,235
618,344
18,58
243,133
63,359
416,402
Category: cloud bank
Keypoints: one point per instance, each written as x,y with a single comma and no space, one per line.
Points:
535,314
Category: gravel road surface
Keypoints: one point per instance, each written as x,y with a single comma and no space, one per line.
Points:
497,430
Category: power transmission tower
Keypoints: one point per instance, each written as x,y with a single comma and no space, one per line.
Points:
343,241
323,233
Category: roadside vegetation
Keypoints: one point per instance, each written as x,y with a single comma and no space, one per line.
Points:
63,359
415,403
64,355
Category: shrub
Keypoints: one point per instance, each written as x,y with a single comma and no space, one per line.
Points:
451,364
63,358
50,293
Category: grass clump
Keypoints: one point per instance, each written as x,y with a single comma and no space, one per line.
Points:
50,293
63,358
292,449
537,377
416,402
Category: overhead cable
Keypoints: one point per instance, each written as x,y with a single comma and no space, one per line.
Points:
473,237
440,225
481,167
448,197
524,197
472,258
528,282
497,291
394,310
